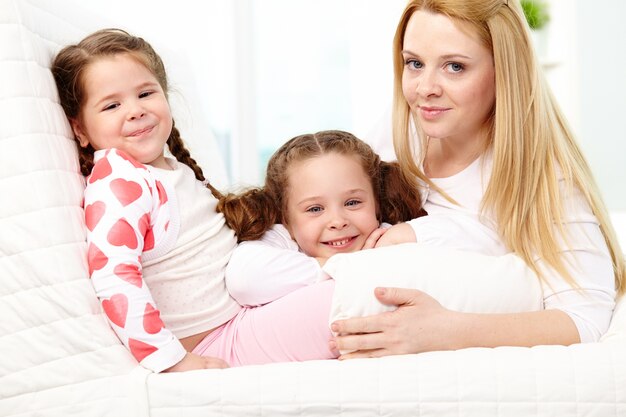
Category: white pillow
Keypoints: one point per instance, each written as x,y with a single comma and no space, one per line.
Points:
459,280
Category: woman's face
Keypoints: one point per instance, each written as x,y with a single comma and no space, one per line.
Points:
448,78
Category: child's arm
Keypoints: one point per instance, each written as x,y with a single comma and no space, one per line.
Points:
399,233
122,202
372,240
264,270
191,362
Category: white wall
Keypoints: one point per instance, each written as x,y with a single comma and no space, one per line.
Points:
199,40
587,74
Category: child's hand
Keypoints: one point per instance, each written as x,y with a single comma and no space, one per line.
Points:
191,361
399,233
374,237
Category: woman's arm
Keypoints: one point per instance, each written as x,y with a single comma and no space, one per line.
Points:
572,314
421,324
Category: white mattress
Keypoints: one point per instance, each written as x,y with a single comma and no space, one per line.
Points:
58,355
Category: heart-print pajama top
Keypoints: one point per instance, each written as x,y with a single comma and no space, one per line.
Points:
157,250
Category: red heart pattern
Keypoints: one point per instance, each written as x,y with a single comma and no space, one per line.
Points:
96,259
93,214
101,170
162,193
126,192
122,234
129,273
128,227
147,232
144,224
130,159
148,240
116,309
140,349
152,322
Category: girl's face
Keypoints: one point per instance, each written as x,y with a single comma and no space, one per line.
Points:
448,78
330,205
125,108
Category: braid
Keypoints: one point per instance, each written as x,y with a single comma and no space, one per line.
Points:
85,158
177,148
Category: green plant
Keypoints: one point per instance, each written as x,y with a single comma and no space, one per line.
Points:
536,12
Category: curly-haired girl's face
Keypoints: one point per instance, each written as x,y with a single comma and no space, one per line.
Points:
331,206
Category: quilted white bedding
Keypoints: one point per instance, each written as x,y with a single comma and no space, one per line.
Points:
58,355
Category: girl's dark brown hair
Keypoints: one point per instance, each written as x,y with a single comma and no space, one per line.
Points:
68,69
253,212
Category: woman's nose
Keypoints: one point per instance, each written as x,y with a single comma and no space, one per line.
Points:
428,84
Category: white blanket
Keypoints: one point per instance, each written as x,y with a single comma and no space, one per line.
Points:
58,356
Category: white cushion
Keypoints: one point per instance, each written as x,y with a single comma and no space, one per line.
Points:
459,280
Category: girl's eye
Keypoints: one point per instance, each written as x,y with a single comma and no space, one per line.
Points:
413,63
455,67
352,203
145,94
314,209
111,106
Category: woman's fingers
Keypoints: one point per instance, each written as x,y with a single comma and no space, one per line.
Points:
397,296
359,342
360,354
369,324
393,332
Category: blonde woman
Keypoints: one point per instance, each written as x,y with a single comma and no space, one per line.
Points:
493,144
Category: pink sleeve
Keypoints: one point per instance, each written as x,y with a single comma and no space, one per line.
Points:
122,203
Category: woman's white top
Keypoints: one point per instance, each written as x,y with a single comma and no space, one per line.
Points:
584,251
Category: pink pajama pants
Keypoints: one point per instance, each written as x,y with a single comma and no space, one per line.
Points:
292,328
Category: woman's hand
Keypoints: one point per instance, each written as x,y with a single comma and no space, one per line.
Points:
191,361
419,324
396,234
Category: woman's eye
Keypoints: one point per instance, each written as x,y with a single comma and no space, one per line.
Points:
413,63
455,67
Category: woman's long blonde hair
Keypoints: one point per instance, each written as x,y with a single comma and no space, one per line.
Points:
529,137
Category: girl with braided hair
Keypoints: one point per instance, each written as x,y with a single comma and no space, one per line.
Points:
157,247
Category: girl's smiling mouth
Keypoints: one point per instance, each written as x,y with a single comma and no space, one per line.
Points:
340,243
141,132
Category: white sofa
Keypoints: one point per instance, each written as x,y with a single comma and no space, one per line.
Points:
58,355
